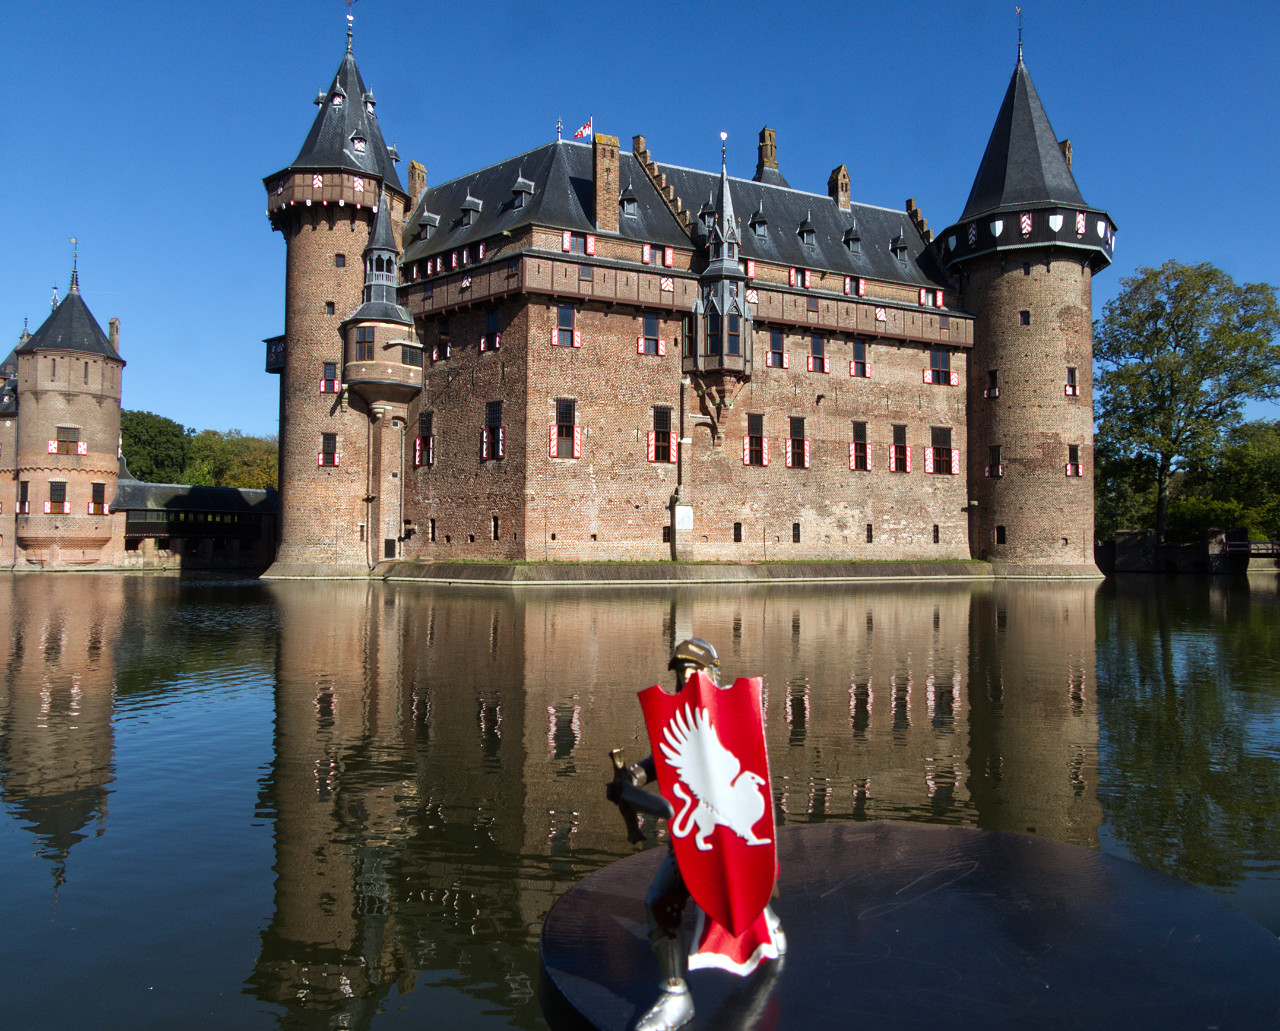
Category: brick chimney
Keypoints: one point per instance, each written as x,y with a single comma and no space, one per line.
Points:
113,334
838,187
607,188
768,152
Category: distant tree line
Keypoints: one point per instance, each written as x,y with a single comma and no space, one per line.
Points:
159,450
1180,350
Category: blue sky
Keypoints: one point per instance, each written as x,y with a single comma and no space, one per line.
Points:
145,130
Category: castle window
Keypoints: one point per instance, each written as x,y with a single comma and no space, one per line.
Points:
58,504
860,450
567,334
495,528
86,372
811,303
859,366
329,454
938,457
818,360
777,358
795,533
410,355
755,445
871,536
340,260
662,440
649,342
98,499
993,384
329,308
329,378
566,435
424,444
1026,268
1000,535
364,344
577,243
797,446
1073,460
1072,388
733,336
939,372
713,334
900,453
24,497
936,534
1024,317
995,469
68,442
492,338
493,442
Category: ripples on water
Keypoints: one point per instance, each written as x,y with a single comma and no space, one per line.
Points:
350,805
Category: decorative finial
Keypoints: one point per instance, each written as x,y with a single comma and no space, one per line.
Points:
54,303
559,126
1019,10
350,21
723,136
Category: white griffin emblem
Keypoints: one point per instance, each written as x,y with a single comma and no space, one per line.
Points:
723,792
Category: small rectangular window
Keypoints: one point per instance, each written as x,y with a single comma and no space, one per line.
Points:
870,536
993,384
994,467
900,454
68,441
795,533
340,260
755,444
329,308
411,356
861,449
1024,317
859,367
714,342
329,449
777,358
662,443
364,344
1000,535
585,272
797,445
565,434
940,441
566,328
737,533
939,371
733,344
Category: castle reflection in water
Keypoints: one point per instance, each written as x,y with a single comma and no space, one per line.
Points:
436,776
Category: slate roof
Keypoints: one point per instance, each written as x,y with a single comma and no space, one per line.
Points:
71,327
563,197
134,495
1023,166
346,114
9,384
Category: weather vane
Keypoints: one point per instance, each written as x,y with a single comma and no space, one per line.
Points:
1019,10
350,21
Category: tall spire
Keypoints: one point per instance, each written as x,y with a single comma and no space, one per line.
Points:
351,20
75,273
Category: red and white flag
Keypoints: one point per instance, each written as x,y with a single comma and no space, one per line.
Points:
584,131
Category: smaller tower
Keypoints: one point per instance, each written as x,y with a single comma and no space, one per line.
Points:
68,437
1024,251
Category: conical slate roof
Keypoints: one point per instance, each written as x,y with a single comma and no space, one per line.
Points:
71,327
1023,166
346,123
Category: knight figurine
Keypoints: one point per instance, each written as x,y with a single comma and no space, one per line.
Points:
712,769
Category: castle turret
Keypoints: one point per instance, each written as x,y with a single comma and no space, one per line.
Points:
67,439
1025,251
327,204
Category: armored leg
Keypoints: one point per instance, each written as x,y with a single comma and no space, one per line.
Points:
664,905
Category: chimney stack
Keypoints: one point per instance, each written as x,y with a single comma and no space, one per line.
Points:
768,152
417,181
606,177
838,187
113,334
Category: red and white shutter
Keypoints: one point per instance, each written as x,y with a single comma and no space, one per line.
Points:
937,299
502,442
806,453
786,359
577,442
484,442
646,253
480,251
924,295
852,451
668,256
53,447
806,279
746,450
928,375
826,363
552,447
848,284
484,342
674,453
639,345
662,348
417,452
787,448
591,244
566,240
893,459
862,287
955,461
765,445
908,458
337,458
466,255
869,457
577,338
431,450
791,277
751,268
928,459
955,378
653,449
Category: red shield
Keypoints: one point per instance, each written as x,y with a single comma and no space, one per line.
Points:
712,766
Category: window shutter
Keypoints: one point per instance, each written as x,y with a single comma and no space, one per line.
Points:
928,375
955,461
497,340
869,457
639,345
552,449
466,255
786,359
848,284
806,453
417,452
484,442
591,244
987,471
453,259
768,359
928,459
435,352
668,256
566,240
867,368
765,441
662,348
484,342
337,458
646,253
555,336
319,461
746,450
862,287
577,338
448,350
806,279
908,458
653,450
577,442
53,447
675,448
791,277
924,296
955,378
48,507
480,251
937,298
893,459
810,363
852,368
787,452
826,363
431,450
851,451
502,442
751,268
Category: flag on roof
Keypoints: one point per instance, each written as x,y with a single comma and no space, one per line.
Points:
584,131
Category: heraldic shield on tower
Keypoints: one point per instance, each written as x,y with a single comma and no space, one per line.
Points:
712,768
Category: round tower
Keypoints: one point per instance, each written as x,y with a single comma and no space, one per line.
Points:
1024,253
67,444
325,204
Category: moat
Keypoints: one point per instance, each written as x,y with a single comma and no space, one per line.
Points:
350,804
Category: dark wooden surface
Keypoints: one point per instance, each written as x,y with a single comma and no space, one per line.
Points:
913,926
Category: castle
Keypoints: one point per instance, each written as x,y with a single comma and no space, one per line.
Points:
582,353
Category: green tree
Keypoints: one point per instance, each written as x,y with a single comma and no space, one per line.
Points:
1245,470
231,459
1180,350
154,447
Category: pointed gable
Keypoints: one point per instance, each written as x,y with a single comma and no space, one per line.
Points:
345,133
1023,165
